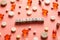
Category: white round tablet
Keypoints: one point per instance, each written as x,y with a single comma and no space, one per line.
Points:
27,7
3,2
47,1
13,29
18,37
29,28
12,1
29,12
35,38
46,28
3,24
11,13
52,18
44,35
34,8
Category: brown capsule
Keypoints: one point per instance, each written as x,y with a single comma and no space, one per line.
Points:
56,0
58,13
17,0
34,33
18,12
57,25
6,11
39,2
54,34
19,6
51,8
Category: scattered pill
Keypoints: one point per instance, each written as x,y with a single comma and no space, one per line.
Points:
57,26
46,29
1,16
35,38
34,32
44,12
12,1
27,7
54,34
47,2
18,37
44,35
52,18
29,28
55,5
13,29
29,12
34,9
7,11
25,33
58,13
3,24
3,3
11,14
7,37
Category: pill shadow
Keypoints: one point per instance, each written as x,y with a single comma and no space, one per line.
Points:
27,23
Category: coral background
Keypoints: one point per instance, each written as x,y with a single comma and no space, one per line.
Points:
38,27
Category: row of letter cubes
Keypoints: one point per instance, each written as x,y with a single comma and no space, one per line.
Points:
29,20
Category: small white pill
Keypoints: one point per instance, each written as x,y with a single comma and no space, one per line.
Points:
27,7
47,2
44,35
11,13
34,9
18,37
29,12
13,29
35,38
52,18
4,2
12,1
3,24
46,29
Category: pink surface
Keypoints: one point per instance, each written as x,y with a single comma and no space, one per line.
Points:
39,28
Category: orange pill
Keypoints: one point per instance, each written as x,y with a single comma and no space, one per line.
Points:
44,12
29,3
55,5
13,7
54,33
25,32
1,16
7,37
